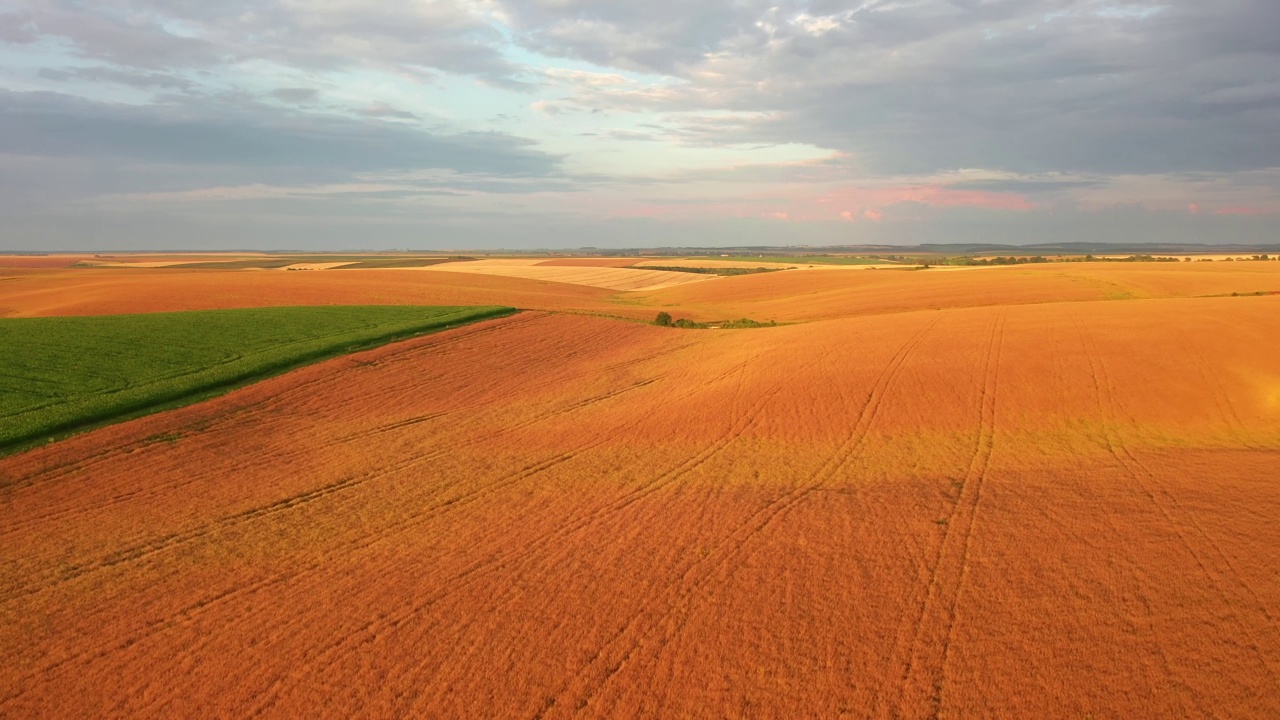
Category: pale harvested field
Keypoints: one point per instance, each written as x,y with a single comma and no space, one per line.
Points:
694,262
592,262
612,278
803,295
1041,505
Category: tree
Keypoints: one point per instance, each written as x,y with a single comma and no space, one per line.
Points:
663,319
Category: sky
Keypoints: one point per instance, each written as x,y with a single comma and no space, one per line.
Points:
522,124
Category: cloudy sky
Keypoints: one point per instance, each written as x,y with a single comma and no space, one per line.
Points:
326,124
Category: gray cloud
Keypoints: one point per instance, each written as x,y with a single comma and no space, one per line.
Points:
658,36
49,124
121,35
383,110
418,38
625,135
18,28
296,95
1027,86
98,74
1026,186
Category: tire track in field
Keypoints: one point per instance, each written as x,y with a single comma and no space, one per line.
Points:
1230,587
308,388
183,616
924,658
451,502
354,545
624,644
1221,398
295,451
172,540
191,612
278,506
463,579
520,561
527,387
226,522
470,441
1147,630
527,551
779,509
439,348
436,510
312,386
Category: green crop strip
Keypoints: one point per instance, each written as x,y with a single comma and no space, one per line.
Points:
63,375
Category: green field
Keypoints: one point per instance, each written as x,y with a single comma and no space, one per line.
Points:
65,374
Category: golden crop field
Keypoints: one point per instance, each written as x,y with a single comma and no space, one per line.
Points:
1031,491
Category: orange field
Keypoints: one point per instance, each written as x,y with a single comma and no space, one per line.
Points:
1043,491
39,261
98,292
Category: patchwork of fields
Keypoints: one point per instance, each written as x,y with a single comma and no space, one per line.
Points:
1009,492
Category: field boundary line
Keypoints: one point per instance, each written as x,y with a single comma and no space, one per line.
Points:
59,470
221,386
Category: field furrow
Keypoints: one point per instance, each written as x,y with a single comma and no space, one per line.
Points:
927,654
1215,566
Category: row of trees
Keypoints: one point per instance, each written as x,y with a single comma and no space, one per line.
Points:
664,319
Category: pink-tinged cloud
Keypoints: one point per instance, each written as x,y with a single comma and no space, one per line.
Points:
859,203
934,195
1193,208
1244,210
851,216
